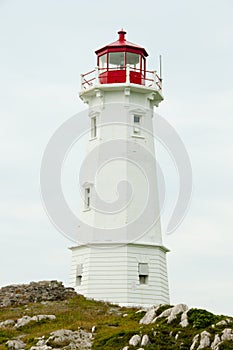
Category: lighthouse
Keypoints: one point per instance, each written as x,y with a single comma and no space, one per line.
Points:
122,258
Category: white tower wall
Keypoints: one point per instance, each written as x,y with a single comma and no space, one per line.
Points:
105,270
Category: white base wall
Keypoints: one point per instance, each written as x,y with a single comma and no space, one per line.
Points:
110,273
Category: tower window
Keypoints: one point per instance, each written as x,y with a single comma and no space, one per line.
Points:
87,197
136,123
143,272
79,274
93,127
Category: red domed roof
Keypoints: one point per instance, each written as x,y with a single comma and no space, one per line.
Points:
122,44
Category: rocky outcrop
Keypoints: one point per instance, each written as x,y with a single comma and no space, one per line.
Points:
27,319
184,319
61,339
135,340
145,340
65,339
68,339
34,292
205,340
195,342
227,334
170,314
7,323
176,310
150,315
216,342
23,321
15,344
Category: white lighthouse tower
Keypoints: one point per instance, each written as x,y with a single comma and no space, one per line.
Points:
123,259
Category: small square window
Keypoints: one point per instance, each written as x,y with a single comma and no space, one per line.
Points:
136,119
93,127
137,123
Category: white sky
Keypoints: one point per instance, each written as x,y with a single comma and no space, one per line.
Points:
44,47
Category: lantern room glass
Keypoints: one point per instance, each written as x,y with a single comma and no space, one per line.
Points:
133,60
113,67
116,60
103,62
119,60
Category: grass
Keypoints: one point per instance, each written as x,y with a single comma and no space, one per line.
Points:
71,314
113,331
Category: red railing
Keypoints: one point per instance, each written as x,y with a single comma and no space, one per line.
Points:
125,74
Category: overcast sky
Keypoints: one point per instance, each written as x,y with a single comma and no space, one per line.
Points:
44,46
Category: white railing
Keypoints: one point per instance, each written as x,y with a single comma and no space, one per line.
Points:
93,78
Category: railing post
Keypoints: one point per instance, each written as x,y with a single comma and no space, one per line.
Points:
155,80
160,84
82,82
97,81
128,73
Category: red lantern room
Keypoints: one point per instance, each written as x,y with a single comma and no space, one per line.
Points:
121,62
114,58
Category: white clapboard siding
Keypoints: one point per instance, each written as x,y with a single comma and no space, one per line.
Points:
113,276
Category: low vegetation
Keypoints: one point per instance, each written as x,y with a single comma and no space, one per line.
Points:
114,325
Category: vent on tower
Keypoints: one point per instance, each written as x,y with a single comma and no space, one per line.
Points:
143,272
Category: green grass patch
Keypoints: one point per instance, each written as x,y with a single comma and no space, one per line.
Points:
6,334
200,318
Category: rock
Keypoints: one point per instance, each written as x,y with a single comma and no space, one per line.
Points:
126,348
165,313
170,313
205,340
72,339
135,340
141,310
195,341
175,311
184,319
125,315
140,349
60,338
15,344
145,340
43,291
227,334
38,318
150,315
93,329
41,342
26,319
22,321
221,323
7,323
41,347
216,342
229,320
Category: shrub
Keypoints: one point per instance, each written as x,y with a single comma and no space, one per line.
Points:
201,318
